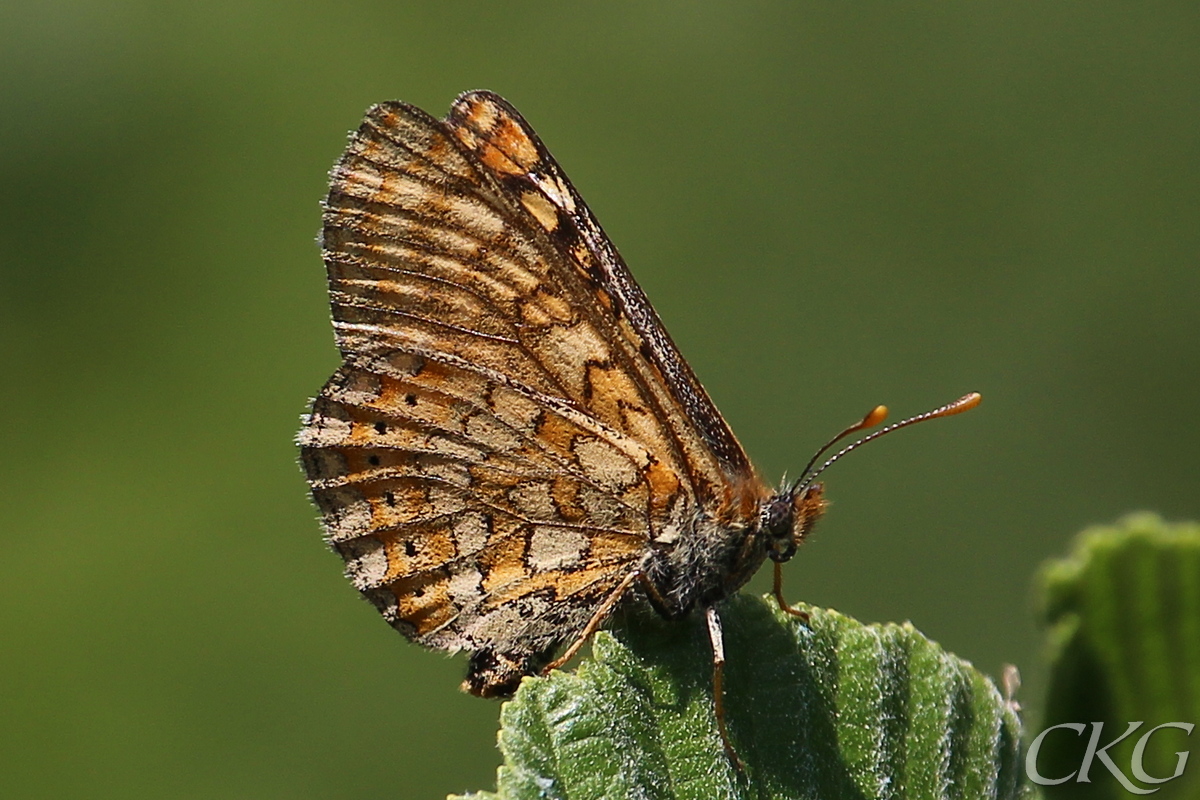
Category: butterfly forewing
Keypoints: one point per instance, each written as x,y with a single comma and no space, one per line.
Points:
509,147
511,428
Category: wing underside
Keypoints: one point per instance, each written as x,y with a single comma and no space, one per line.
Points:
511,427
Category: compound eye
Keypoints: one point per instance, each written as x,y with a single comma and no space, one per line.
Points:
777,517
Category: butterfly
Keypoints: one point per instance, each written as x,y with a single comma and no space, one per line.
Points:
513,445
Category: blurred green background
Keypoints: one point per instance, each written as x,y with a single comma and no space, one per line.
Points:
832,205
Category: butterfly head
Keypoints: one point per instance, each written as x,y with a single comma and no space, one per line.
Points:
786,518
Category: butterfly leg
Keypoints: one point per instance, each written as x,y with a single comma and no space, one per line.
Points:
595,622
718,652
652,592
795,612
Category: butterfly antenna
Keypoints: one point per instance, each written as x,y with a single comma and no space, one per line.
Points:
877,415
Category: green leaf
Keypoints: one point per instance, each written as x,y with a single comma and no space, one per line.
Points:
1124,618
830,709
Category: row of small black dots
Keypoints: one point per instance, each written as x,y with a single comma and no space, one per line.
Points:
381,428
